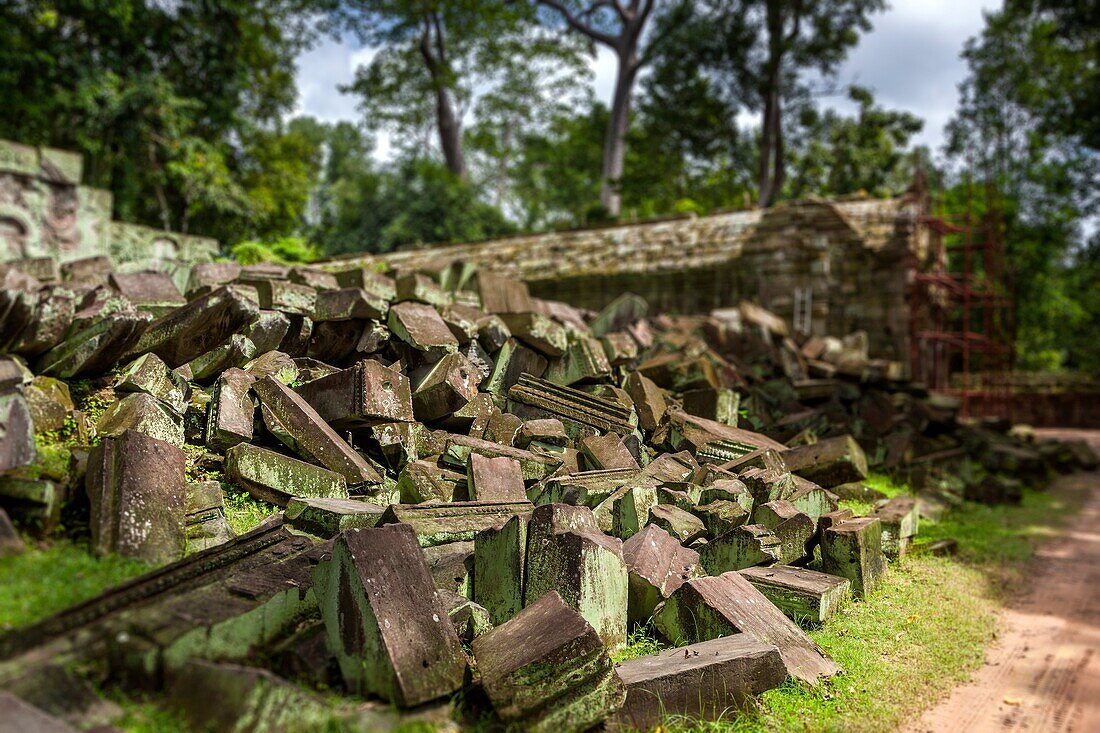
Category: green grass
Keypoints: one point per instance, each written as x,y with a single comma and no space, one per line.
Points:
244,512
922,633
41,582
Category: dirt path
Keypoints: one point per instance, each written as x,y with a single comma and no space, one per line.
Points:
1043,673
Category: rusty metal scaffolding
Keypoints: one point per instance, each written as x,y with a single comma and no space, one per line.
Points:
961,309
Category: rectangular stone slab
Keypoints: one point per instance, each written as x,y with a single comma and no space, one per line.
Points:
500,571
383,619
900,521
329,517
313,434
199,326
365,394
853,549
437,524
276,478
230,414
804,595
547,670
701,681
495,479
574,406
708,608
829,462
535,466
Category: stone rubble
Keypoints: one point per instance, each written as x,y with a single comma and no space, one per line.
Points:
458,461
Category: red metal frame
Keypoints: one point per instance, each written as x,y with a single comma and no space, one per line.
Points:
961,307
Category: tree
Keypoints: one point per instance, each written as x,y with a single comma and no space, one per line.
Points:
758,53
1042,165
619,25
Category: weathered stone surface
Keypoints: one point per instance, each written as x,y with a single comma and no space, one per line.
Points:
349,304
649,401
421,327
236,351
603,452
312,436
236,699
548,670
583,414
852,549
34,503
276,478
828,462
741,547
537,331
49,403
721,516
470,620
500,571
285,297
535,466
267,330
275,364
149,374
452,566
567,553
10,541
138,492
709,608
682,525
657,565
900,519
426,481
804,595
546,431
437,524
153,292
446,388
145,414
329,517
206,523
495,479
501,294
387,627
700,682
584,360
512,361
364,394
626,510
197,327
96,347
230,414
794,529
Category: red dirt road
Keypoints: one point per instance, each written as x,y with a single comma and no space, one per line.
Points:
1043,673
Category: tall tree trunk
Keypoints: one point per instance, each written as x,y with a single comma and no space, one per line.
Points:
614,146
450,134
772,163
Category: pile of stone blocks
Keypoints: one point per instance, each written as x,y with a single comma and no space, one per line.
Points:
476,490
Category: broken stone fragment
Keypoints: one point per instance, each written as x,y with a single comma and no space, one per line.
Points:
230,697
285,297
426,481
274,364
719,517
312,436
422,328
547,431
438,524
329,517
584,360
196,328
419,287
567,553
470,620
449,386
811,499
794,529
625,511
452,566
149,374
619,348
364,394
206,523
649,401
804,595
852,549
138,492
87,270
349,304
657,565
34,503
384,621
682,525
236,351
548,670
500,553
229,416
153,292
275,478
900,521
535,466
513,360
501,294
22,717
96,347
741,547
700,682
582,413
537,331
710,608
208,276
267,330
145,414
828,462
718,404
602,452
495,479
49,403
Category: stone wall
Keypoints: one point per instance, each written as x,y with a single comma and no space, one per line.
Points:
46,212
828,267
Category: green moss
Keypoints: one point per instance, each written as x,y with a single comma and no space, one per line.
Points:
41,582
242,511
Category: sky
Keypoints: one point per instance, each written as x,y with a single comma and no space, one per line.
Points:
910,60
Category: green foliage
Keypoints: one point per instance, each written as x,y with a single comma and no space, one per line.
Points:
283,251
242,511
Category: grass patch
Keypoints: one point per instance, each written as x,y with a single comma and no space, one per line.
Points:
242,511
42,582
922,633
641,642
